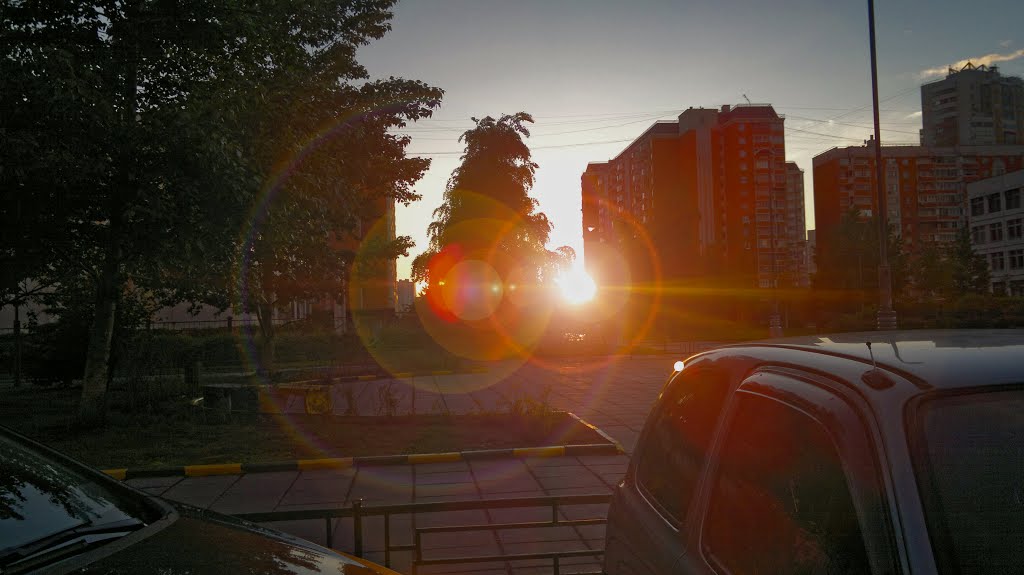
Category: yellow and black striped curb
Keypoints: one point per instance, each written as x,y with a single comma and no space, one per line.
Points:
369,460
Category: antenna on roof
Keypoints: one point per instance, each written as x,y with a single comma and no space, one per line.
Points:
746,98
875,377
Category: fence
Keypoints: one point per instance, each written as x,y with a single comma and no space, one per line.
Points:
357,513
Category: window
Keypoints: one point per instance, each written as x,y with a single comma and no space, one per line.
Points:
968,469
996,261
995,232
977,206
780,501
1013,199
1016,259
1014,230
994,203
676,443
978,235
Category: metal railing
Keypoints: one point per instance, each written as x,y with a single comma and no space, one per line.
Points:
357,512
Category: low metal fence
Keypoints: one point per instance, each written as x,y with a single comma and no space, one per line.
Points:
357,512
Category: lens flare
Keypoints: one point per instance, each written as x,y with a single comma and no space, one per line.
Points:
576,285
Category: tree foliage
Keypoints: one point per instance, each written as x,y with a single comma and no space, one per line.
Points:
138,136
848,258
489,193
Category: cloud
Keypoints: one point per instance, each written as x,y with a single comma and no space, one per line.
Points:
987,60
1006,43
913,115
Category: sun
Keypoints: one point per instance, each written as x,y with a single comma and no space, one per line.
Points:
576,286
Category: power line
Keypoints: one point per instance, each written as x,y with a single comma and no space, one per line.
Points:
572,145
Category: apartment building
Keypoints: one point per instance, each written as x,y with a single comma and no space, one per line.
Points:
709,194
926,195
973,106
996,221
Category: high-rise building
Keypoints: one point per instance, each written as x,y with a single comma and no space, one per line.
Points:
796,225
706,195
973,106
996,220
926,196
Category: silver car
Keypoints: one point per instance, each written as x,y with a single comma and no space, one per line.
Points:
879,452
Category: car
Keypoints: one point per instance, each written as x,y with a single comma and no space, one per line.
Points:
60,516
877,452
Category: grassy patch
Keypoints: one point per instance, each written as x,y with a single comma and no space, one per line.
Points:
174,435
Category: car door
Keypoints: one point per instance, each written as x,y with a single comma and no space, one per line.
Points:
649,510
793,487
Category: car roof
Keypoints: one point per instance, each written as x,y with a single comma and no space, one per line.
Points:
942,359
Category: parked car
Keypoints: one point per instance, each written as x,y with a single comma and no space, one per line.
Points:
59,516
881,452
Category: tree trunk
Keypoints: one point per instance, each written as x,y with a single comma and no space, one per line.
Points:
265,314
92,408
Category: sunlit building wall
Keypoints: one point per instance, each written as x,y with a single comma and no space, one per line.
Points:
796,224
706,191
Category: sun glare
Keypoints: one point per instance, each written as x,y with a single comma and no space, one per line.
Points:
576,286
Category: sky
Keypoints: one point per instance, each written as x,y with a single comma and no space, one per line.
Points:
595,74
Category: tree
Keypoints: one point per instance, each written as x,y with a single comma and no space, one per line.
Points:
487,207
324,198
932,275
969,273
137,146
847,260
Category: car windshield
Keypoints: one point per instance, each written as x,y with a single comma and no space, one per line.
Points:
972,480
40,497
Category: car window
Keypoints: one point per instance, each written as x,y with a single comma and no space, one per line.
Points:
971,478
40,497
679,435
780,502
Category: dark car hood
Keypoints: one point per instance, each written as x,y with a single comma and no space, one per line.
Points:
203,542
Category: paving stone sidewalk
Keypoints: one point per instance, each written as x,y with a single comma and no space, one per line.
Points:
615,396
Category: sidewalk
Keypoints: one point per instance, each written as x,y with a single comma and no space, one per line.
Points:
615,397
456,481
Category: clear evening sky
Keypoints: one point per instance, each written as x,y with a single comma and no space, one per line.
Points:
595,74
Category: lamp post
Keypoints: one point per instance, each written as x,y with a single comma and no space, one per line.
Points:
886,318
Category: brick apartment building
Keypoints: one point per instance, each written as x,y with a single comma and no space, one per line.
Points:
926,195
698,198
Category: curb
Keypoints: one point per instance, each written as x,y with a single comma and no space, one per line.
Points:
367,461
613,447
599,431
375,376
402,375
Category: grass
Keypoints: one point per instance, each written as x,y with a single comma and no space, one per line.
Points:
172,435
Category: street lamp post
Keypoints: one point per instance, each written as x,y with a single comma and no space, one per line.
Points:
886,318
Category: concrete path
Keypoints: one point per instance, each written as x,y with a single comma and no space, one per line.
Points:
615,396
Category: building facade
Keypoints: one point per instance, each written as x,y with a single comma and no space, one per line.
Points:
996,221
973,106
706,195
926,195
796,224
